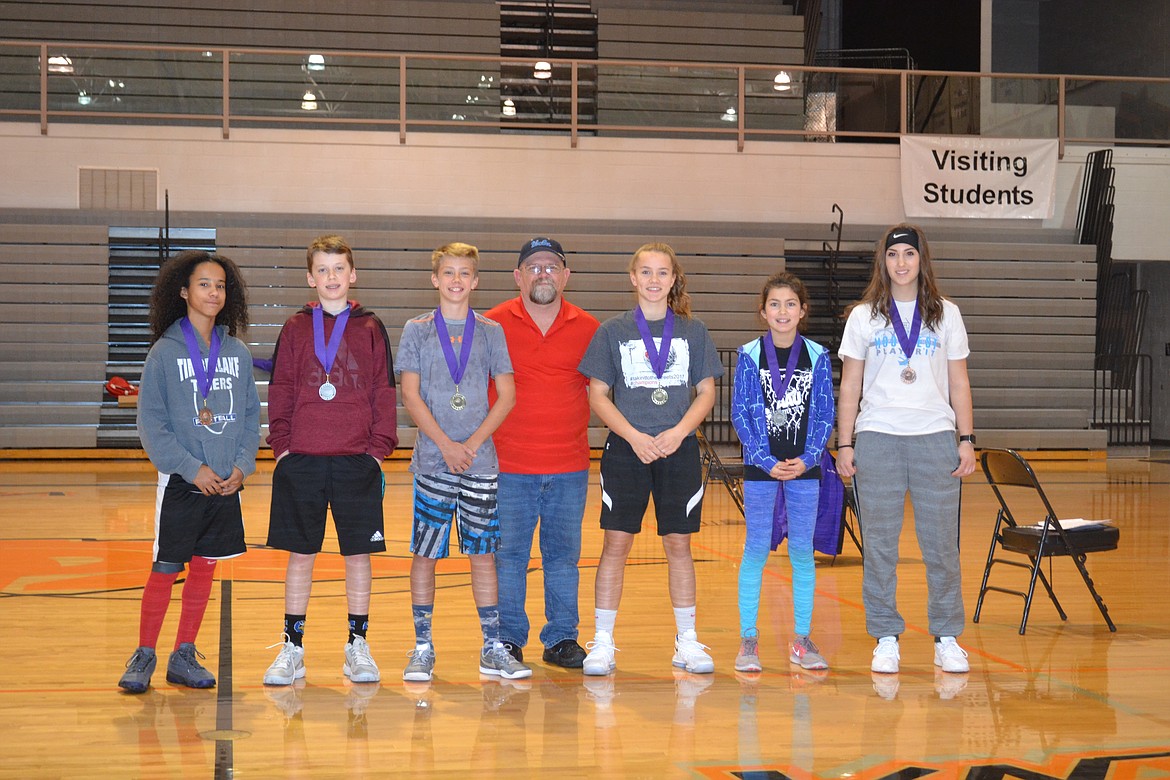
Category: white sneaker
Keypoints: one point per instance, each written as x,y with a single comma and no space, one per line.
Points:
949,656
886,656
288,666
691,655
359,665
600,659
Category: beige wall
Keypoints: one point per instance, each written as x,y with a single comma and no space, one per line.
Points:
532,177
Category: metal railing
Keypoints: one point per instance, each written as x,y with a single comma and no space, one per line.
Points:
232,88
1123,398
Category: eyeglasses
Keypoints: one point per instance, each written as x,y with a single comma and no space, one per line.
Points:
537,270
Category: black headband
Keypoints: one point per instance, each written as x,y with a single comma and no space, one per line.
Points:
903,236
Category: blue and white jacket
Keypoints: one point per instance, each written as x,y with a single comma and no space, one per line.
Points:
749,416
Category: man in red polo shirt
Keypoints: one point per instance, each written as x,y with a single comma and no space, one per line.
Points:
543,447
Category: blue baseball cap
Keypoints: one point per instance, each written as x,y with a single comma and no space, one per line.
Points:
541,245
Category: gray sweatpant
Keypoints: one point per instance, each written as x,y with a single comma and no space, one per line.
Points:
887,467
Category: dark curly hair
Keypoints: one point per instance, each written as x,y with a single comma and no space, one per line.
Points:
167,306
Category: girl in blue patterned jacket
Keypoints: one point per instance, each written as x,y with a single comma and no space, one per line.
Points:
783,411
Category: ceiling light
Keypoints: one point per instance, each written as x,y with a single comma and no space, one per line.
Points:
315,62
543,70
782,82
60,64
84,98
509,107
309,101
728,115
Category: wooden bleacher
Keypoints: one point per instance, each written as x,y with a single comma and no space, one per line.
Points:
1028,305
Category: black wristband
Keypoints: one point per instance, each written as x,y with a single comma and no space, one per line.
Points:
843,446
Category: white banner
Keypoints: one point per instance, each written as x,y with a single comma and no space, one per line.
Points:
994,178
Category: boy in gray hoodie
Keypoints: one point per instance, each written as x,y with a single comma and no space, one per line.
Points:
199,422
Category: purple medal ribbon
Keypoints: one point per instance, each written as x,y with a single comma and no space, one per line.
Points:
907,342
456,369
656,357
327,353
780,386
203,374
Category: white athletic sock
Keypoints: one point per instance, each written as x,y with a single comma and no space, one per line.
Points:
684,619
605,619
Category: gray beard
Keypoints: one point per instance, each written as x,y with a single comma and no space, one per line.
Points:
542,294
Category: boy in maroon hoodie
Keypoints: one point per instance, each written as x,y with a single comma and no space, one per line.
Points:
332,419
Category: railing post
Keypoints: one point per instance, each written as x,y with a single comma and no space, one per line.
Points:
573,106
739,140
227,96
401,98
1060,106
903,101
44,89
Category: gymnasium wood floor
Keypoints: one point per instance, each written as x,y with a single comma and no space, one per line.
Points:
1068,700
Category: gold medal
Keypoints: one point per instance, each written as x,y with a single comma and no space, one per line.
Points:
205,416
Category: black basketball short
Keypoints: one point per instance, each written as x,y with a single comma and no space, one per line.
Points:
676,482
305,486
188,523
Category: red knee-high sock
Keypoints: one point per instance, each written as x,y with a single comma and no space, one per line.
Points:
156,597
196,592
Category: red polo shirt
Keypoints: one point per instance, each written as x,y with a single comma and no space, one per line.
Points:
547,431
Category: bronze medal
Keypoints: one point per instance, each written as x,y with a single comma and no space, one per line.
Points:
205,416
909,376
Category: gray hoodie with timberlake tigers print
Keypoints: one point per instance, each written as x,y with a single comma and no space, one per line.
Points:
169,404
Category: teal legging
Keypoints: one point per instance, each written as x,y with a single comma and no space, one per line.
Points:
801,497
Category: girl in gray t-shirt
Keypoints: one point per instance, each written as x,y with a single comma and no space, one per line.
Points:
661,365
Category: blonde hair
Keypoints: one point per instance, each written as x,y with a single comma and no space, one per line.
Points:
330,245
455,249
677,299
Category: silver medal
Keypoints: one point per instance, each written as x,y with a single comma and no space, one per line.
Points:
659,396
458,401
909,375
327,391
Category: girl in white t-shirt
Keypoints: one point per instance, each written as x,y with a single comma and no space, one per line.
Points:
904,393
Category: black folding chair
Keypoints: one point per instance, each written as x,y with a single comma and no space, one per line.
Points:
715,468
1011,477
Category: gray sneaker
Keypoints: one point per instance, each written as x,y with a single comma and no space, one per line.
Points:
802,651
421,665
138,670
495,659
748,658
359,665
184,668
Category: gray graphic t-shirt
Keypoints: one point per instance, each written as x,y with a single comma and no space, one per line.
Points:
419,352
618,357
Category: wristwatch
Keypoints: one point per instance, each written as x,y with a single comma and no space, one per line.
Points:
967,437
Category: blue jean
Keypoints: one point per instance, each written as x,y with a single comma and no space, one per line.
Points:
557,501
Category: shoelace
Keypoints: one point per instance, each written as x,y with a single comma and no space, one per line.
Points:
361,654
287,640
190,653
609,645
138,662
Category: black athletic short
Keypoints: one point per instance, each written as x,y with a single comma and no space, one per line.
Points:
676,482
188,523
304,486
